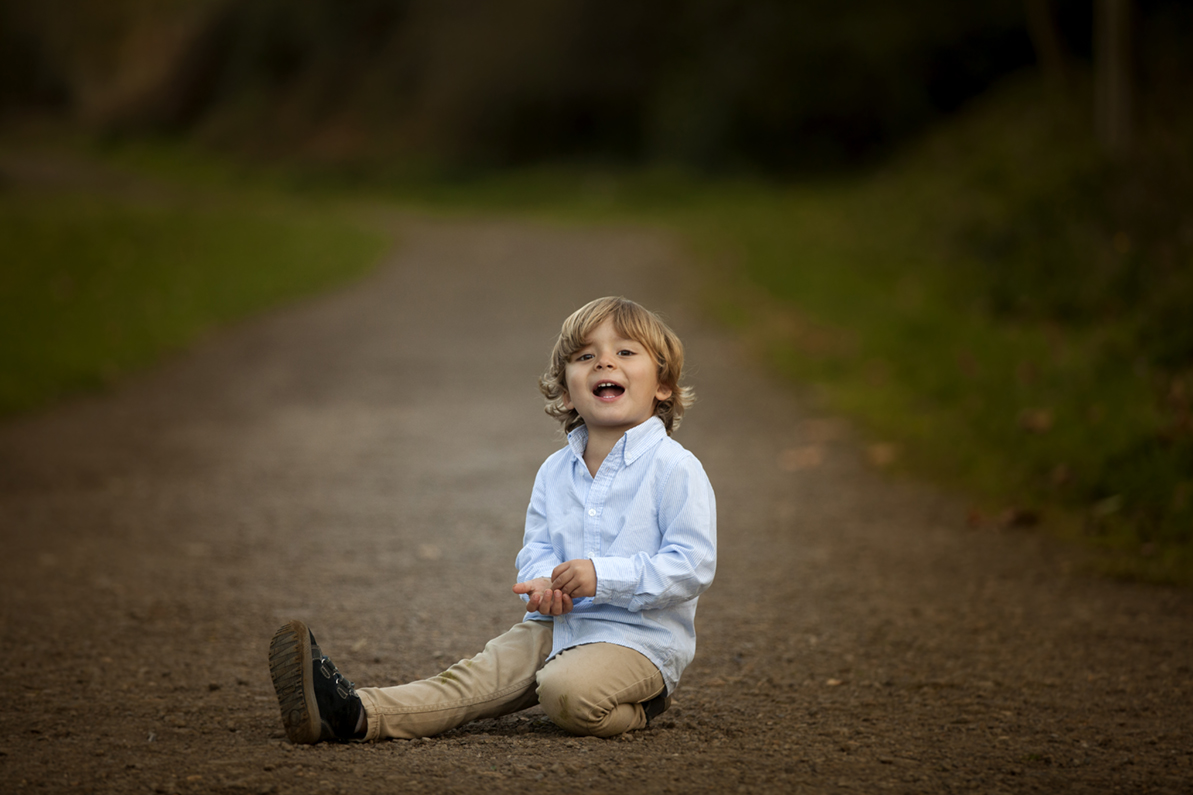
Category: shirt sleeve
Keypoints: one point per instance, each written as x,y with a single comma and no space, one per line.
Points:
684,566
538,557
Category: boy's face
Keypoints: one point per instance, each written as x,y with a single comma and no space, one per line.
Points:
613,382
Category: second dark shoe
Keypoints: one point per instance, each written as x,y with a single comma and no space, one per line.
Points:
317,702
656,706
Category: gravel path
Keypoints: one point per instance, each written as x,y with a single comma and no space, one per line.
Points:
363,461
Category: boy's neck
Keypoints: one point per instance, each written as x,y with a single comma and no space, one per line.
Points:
597,450
601,442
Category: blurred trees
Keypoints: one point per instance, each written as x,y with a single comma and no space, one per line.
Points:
94,59
708,83
769,84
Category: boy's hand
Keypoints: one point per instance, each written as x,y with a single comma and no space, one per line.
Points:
575,578
543,598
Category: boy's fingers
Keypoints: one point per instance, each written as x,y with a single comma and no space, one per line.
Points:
549,602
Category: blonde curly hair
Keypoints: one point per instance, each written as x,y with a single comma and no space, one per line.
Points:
631,321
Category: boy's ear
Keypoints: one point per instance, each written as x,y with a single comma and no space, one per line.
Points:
567,400
662,393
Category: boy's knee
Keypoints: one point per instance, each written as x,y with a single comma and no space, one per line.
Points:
569,704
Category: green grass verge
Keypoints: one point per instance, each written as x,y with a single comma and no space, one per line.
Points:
94,286
1030,417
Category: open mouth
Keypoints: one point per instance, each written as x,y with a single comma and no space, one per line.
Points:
608,389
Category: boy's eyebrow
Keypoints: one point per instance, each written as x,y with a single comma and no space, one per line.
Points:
619,341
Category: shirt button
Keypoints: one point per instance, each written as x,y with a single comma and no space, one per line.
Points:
592,511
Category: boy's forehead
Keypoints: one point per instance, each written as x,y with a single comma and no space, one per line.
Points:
614,332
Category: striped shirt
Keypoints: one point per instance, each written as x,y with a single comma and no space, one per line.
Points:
648,523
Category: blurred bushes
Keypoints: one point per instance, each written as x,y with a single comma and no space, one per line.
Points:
1046,232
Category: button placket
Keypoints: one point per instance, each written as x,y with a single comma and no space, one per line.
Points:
596,505
592,525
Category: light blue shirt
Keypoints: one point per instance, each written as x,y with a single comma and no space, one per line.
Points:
648,523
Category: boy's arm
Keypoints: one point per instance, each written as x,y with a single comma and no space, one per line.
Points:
686,561
537,558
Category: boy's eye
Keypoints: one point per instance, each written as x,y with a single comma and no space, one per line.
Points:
625,353
583,356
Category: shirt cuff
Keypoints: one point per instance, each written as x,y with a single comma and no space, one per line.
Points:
616,580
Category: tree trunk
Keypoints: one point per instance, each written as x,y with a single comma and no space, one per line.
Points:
1050,52
1112,74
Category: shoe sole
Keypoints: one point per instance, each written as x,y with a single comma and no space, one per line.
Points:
290,669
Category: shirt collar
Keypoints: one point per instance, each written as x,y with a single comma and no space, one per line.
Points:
633,444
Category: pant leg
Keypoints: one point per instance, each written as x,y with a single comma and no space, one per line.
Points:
598,689
498,681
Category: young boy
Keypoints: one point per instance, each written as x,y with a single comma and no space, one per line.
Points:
620,541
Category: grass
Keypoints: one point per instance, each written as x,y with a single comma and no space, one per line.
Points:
1027,416
96,286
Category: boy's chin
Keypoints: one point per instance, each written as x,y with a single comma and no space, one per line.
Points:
612,424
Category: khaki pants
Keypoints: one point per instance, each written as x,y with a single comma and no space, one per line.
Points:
594,689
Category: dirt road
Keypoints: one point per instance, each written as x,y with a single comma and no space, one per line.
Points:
363,461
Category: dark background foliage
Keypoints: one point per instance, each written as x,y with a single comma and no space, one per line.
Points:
768,84
774,85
